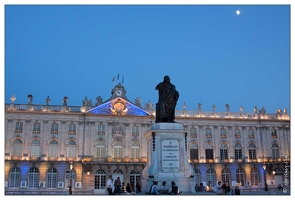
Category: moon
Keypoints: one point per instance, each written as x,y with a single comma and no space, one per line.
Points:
238,12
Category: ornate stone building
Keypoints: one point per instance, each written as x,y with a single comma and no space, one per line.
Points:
51,148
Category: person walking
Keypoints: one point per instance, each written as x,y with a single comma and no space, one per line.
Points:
110,185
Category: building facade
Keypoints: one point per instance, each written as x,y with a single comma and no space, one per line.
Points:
53,149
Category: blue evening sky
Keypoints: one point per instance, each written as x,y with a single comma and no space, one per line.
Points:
212,55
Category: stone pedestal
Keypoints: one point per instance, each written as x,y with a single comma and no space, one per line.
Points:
167,157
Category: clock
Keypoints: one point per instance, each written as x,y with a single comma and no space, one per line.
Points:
119,92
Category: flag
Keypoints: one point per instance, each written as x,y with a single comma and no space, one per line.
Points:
122,79
118,76
113,79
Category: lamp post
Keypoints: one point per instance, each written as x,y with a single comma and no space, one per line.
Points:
265,184
70,185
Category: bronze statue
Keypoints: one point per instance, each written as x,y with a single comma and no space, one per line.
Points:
168,96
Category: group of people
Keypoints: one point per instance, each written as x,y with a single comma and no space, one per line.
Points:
163,190
220,188
115,187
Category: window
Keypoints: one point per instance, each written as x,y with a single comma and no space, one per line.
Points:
275,151
209,151
193,132
99,179
72,129
254,177
197,175
238,151
100,149
51,178
118,150
208,133
101,129
33,178
194,151
274,133
237,133
240,177
17,148
53,149
225,175
252,151
35,148
222,133
54,128
70,175
19,127
251,133
71,149
135,130
37,127
134,176
14,177
223,152
134,150
210,176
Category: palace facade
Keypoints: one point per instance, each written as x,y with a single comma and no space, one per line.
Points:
51,148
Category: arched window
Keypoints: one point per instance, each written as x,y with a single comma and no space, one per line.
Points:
33,178
71,149
17,148
223,152
14,177
134,176
210,176
275,151
135,150
70,175
51,178
35,148
225,175
100,149
100,179
238,151
254,177
209,151
197,175
53,149
252,151
118,150
194,151
240,177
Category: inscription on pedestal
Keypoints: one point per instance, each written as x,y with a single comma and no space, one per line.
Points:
170,155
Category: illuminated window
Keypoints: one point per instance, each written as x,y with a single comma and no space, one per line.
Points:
33,178
254,177
17,148
252,151
35,148
240,177
51,179
100,179
225,175
135,176
238,151
100,149
71,149
210,177
14,177
135,150
118,150
53,149
223,152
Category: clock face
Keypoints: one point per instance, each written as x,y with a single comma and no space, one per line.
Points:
119,92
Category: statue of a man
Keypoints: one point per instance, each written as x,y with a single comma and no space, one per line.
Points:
168,96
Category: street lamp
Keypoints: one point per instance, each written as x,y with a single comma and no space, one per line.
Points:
70,186
265,184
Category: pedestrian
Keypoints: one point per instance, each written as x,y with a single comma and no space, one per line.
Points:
117,188
218,188
237,190
154,189
164,189
132,187
174,188
138,186
123,188
223,188
197,188
227,188
202,188
110,185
